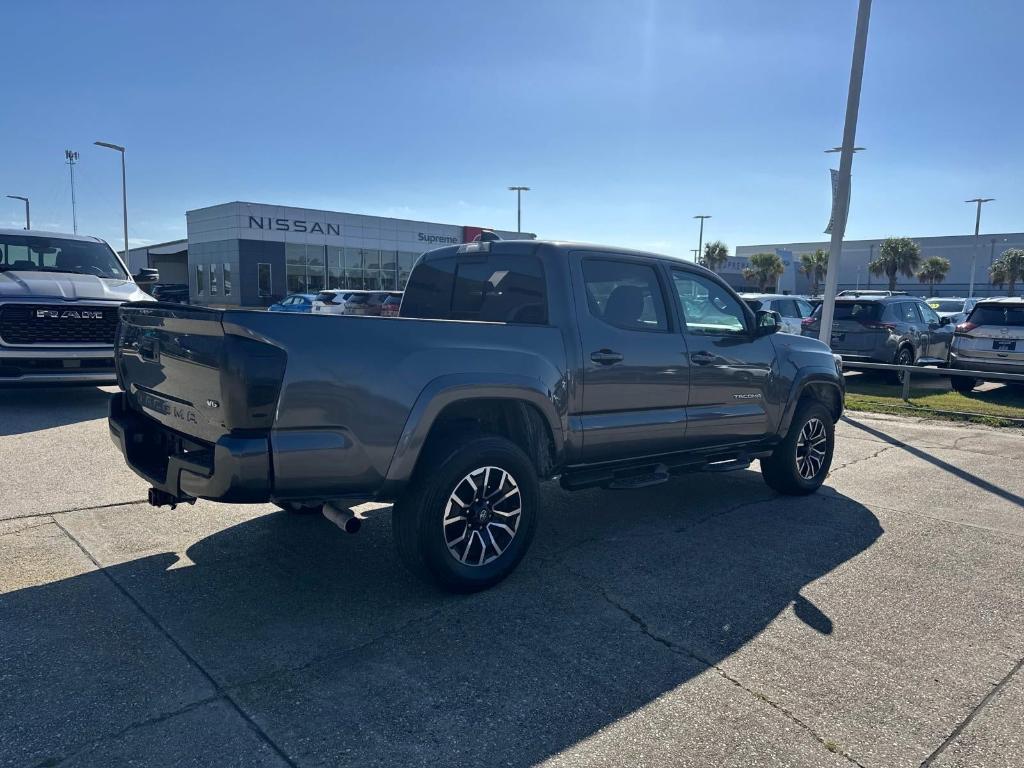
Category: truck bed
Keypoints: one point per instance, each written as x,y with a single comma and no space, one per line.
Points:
303,405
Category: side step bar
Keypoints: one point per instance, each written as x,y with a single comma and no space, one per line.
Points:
643,476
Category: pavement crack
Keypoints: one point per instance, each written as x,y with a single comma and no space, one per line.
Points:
874,455
54,760
930,760
26,528
73,509
682,650
194,662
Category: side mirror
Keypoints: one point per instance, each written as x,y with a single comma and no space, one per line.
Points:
945,320
768,321
147,275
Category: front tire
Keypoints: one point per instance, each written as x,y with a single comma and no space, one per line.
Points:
800,463
469,514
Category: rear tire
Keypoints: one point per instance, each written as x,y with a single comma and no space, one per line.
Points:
962,384
905,356
800,463
470,513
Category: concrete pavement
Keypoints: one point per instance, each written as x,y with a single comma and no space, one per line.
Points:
706,621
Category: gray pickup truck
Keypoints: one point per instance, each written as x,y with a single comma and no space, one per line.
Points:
512,362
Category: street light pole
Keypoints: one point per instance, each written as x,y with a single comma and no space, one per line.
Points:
860,43
519,206
977,227
700,241
124,190
28,218
72,158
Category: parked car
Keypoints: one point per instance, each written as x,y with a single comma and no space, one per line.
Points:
364,302
59,298
294,302
392,305
566,364
792,309
955,309
896,328
991,339
331,301
175,293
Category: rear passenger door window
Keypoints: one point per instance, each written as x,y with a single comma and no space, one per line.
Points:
625,295
908,313
786,308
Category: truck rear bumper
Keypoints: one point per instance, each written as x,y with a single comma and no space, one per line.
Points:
233,469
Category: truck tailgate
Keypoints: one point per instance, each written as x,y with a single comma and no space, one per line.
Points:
178,366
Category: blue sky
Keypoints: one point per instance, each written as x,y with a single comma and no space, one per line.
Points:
626,118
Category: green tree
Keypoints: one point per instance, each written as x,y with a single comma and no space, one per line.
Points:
1011,267
933,270
997,274
814,265
715,255
765,269
897,256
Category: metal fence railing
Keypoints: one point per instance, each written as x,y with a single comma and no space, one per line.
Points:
910,371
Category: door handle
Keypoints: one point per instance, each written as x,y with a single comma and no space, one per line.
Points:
702,358
606,357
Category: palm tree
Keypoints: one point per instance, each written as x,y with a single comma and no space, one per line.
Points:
765,268
1011,263
933,270
897,256
715,255
814,265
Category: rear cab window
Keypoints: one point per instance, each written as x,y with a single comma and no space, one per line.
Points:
487,286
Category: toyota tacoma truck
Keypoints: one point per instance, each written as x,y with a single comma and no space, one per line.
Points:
59,296
511,363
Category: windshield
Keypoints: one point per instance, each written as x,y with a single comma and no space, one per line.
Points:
33,253
947,305
995,314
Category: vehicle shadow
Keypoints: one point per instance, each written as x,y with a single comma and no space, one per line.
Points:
341,658
30,409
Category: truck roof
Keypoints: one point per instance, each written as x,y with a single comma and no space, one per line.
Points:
44,233
564,245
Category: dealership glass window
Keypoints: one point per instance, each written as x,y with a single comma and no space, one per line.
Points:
264,283
370,258
213,279
227,278
352,260
315,275
200,283
405,262
295,267
335,267
389,269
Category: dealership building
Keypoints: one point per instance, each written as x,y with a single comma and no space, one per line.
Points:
961,250
251,254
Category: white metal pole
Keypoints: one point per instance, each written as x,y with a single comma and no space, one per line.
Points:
860,43
124,204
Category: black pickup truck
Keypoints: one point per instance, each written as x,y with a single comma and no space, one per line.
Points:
512,362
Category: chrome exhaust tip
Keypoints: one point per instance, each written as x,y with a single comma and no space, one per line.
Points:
343,517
